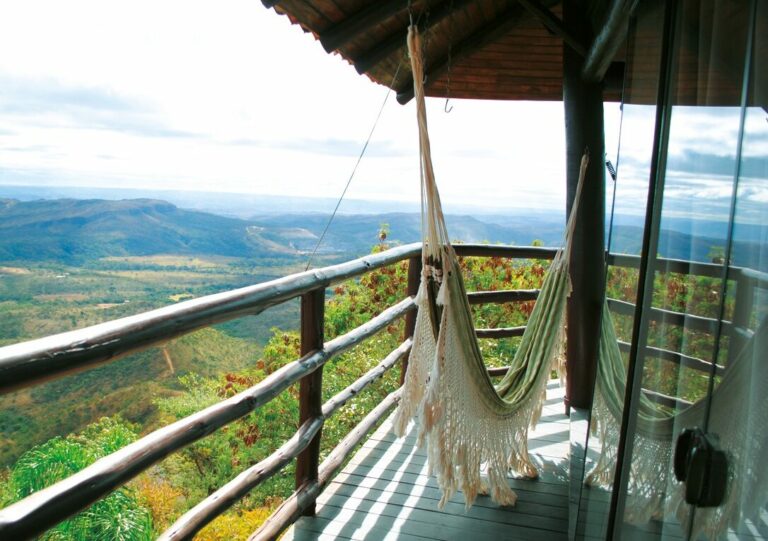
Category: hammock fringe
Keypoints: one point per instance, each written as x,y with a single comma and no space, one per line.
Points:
469,426
652,491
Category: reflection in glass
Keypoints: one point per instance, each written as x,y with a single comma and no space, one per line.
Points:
688,300
625,238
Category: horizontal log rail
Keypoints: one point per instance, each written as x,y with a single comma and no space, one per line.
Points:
666,400
204,512
678,266
218,502
35,361
336,402
46,508
677,358
510,252
498,371
755,277
502,296
501,332
690,321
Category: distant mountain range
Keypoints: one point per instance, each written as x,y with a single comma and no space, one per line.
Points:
72,230
353,233
76,230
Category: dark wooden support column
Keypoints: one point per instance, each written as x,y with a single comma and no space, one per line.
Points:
583,104
414,279
311,386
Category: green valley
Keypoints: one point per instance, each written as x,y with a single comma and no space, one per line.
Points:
40,299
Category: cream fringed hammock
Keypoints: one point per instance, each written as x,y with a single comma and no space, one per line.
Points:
465,420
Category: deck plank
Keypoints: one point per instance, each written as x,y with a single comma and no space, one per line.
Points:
384,492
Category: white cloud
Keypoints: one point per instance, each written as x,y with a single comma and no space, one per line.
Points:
179,89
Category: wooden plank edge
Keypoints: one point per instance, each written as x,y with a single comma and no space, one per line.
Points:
291,509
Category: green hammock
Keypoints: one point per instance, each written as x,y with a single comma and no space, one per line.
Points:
467,422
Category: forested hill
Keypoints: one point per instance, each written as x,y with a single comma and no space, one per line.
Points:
72,230
75,230
351,233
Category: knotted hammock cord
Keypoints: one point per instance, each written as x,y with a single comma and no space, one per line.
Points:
468,423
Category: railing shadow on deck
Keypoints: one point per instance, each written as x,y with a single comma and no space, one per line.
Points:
385,492
36,361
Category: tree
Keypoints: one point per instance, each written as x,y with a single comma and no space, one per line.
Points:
117,517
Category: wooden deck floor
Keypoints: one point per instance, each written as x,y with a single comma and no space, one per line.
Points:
385,493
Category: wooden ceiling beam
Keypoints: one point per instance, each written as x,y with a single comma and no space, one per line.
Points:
554,24
611,36
370,59
481,37
371,15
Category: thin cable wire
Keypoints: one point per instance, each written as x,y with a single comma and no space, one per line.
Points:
354,169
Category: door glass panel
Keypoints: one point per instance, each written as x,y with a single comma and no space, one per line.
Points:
739,406
624,246
685,304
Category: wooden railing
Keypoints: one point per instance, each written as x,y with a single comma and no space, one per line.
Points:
745,280
33,362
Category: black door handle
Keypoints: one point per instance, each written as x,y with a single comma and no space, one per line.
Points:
702,467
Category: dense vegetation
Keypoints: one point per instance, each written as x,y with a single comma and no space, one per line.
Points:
121,516
170,488
694,295
42,299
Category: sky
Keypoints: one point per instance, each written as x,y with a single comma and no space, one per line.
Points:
228,96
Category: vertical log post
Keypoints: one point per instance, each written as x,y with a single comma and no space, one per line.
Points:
583,102
414,279
311,386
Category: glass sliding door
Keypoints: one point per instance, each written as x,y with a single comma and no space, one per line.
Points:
737,413
692,455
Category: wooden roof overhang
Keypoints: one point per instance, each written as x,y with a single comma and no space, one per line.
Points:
482,49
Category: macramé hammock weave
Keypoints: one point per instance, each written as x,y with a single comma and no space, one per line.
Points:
468,423
465,420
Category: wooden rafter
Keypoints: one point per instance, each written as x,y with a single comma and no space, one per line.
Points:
608,41
373,56
373,14
484,35
554,24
